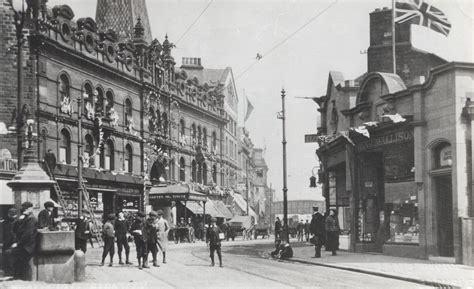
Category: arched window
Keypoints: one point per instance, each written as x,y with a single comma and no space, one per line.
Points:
214,174
158,121
128,114
164,120
204,136
89,151
128,164
151,119
64,87
193,171
199,173
442,154
99,101
214,141
182,170
199,137
88,99
65,147
182,127
107,156
204,173
193,131
109,106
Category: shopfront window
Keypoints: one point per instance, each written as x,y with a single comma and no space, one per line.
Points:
400,218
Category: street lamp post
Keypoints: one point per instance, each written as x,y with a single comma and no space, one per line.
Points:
19,17
281,116
79,154
247,183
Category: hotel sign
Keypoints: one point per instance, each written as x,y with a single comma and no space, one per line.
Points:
393,138
9,165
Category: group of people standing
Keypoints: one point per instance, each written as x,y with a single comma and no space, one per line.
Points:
149,233
325,231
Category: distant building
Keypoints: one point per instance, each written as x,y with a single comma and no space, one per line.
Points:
297,210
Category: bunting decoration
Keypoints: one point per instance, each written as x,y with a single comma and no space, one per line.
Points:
396,118
362,130
345,134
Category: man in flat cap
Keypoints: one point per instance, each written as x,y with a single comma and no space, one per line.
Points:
121,232
213,238
45,217
151,239
163,228
317,228
137,229
25,242
10,226
108,233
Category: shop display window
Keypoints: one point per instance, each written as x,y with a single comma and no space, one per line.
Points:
401,215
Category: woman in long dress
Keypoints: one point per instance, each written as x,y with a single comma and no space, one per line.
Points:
163,228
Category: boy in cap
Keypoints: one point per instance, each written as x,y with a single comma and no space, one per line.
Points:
214,241
137,229
108,234
121,231
151,239
10,226
25,242
45,217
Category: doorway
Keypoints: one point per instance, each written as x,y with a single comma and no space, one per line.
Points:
444,213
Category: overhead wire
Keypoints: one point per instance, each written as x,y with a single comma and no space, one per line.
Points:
287,38
195,21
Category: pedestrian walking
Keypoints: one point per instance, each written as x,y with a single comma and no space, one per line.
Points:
332,232
163,228
45,217
200,231
121,233
138,232
317,229
214,236
278,228
151,239
10,226
190,226
306,230
300,230
108,234
25,242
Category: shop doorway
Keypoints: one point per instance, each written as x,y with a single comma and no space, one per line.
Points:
108,200
444,212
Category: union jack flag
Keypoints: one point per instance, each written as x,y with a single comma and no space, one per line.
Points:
421,13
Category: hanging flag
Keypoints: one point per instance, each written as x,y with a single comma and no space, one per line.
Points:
421,13
249,109
396,118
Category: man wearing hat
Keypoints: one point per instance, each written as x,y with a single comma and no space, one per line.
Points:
10,226
108,234
25,242
137,229
213,238
316,228
163,228
45,217
151,239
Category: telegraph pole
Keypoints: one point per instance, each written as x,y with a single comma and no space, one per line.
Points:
282,116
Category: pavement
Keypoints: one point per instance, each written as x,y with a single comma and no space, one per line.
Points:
250,261
424,272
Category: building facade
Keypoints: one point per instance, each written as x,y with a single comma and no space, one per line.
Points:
396,151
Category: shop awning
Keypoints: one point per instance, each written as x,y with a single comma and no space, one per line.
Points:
223,209
239,200
213,211
194,207
178,192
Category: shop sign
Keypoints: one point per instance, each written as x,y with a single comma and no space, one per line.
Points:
310,138
169,197
9,165
393,138
368,184
445,157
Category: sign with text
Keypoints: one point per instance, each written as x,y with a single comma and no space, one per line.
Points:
310,138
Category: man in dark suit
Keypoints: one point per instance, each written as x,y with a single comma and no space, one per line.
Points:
316,228
10,226
25,242
45,217
50,160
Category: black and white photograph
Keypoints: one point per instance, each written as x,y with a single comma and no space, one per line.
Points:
236,144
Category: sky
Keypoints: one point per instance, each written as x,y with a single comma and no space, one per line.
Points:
231,33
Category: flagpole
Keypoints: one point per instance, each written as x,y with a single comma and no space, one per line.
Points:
393,39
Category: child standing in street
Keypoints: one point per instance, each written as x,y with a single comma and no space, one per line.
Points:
213,238
108,234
